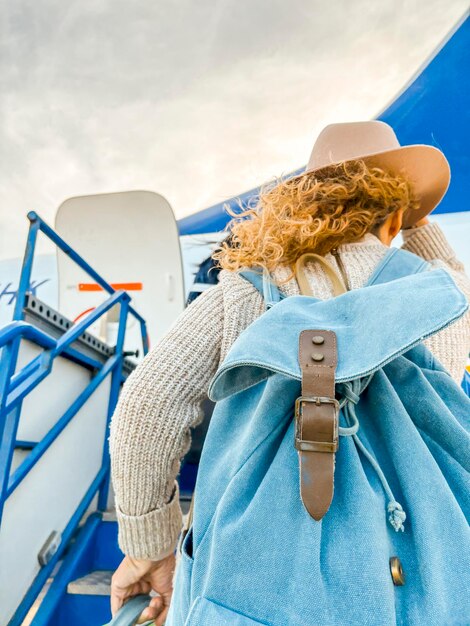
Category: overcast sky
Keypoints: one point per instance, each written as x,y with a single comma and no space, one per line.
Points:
196,100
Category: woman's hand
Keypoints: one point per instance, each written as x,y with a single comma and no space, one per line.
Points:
136,576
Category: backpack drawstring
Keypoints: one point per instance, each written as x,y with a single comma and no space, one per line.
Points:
351,393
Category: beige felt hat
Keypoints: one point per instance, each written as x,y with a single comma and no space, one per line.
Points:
376,143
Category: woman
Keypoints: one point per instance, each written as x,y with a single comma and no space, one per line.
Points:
360,189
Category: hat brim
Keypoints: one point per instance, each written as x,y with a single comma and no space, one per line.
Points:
426,168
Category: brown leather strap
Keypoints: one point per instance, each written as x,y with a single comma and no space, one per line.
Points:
316,416
302,279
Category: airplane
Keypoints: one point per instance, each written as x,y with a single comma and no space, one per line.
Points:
70,335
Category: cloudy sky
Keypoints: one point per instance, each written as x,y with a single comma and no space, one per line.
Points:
196,100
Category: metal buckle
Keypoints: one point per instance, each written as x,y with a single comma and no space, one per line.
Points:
316,446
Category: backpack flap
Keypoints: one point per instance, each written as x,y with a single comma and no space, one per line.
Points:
373,325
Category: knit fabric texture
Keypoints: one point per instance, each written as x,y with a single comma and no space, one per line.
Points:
161,400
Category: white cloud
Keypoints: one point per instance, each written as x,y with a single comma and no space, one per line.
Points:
198,101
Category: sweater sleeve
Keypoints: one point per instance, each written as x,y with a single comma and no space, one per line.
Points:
430,243
150,433
450,346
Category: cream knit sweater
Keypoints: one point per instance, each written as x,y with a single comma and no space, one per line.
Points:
160,402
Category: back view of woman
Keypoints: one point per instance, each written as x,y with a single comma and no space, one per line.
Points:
359,191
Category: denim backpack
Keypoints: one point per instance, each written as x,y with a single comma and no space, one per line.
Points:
361,404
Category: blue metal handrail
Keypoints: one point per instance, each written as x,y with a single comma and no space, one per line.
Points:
27,331
16,386
80,261
41,446
130,611
40,367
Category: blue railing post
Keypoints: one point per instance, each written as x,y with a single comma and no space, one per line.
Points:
27,267
8,361
113,398
145,338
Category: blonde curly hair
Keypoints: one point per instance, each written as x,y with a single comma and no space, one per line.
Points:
316,212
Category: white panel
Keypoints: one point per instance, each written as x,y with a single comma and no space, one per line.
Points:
48,496
18,457
52,397
43,282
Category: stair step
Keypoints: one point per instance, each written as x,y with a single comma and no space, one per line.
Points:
97,583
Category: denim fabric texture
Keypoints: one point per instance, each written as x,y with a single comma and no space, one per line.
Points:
253,554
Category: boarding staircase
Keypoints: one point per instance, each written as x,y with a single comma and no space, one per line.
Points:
59,385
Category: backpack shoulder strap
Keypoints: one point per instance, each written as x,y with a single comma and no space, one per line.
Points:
305,289
262,282
396,264
253,277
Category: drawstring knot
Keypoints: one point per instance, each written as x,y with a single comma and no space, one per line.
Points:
397,515
350,393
